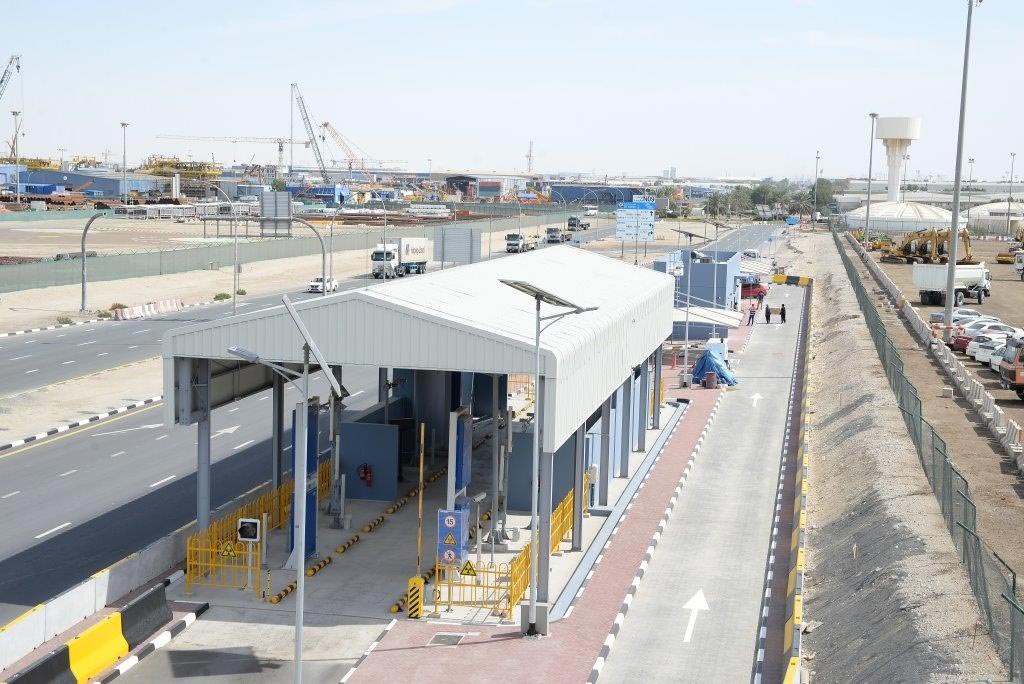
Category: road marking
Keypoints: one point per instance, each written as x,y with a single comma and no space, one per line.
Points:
102,353
75,433
58,527
234,409
355,394
68,473
62,335
160,482
756,398
14,493
287,447
64,363
162,437
133,346
119,453
19,358
118,432
34,370
82,344
139,332
244,444
264,398
29,341
225,431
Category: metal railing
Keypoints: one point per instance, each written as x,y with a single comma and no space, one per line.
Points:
992,580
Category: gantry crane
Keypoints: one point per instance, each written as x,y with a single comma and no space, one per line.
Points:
280,142
13,64
308,123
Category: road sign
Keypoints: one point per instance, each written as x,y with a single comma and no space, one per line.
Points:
634,220
468,569
452,535
450,540
449,556
227,549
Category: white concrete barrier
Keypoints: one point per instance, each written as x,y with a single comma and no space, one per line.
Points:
68,609
22,635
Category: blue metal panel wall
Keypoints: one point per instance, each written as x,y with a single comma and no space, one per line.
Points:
376,446
519,466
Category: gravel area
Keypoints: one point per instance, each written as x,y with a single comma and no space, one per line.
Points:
884,580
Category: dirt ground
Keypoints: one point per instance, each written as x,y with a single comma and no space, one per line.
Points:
884,579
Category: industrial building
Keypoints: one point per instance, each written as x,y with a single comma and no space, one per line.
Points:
95,182
714,282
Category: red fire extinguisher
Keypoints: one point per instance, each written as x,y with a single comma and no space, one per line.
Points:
365,473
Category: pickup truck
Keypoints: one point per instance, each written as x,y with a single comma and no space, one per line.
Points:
576,224
517,242
753,290
556,235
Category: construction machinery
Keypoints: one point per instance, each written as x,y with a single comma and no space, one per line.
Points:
13,64
356,162
916,246
308,123
280,142
941,249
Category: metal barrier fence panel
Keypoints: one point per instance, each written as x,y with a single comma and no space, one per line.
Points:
228,564
486,588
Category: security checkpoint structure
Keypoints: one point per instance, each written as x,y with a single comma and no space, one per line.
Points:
445,344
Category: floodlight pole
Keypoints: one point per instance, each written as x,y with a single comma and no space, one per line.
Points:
871,159
299,523
534,485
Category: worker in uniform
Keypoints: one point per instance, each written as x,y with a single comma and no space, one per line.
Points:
782,313
767,314
753,312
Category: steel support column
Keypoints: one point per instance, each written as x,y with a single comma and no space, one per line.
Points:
547,461
578,500
203,445
643,406
605,468
658,360
277,433
382,384
496,442
335,428
625,409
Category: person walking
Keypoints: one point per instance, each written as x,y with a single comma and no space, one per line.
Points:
767,314
782,313
753,312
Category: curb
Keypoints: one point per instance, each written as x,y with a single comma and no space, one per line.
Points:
79,423
609,641
159,641
53,327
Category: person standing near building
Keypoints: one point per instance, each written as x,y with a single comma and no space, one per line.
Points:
782,313
767,314
753,312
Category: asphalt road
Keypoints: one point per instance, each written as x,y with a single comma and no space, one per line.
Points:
75,503
696,616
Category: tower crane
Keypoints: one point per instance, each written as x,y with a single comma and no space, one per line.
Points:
308,123
280,142
13,64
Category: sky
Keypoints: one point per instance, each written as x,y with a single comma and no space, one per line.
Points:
748,88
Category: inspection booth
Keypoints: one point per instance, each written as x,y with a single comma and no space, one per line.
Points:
713,282
445,344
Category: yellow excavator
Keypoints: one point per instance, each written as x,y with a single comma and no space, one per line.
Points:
1016,242
919,245
942,246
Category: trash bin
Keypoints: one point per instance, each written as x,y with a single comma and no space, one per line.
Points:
711,380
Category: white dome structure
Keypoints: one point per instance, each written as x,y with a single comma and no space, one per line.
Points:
900,217
991,217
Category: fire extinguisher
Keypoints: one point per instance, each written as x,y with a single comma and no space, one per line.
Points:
365,473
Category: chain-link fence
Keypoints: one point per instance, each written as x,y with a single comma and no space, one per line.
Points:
992,580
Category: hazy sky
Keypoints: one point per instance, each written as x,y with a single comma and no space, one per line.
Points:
721,87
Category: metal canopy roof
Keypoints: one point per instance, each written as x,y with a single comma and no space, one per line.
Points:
464,319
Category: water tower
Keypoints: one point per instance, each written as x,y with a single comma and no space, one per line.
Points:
896,132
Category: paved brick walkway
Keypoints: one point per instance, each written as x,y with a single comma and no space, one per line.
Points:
500,654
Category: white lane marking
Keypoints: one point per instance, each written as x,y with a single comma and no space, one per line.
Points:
58,527
133,346
64,363
162,437
139,332
29,341
225,431
82,344
89,329
10,494
245,444
102,353
62,335
234,409
34,370
160,482
118,432
287,447
68,473
264,398
355,394
119,453
19,358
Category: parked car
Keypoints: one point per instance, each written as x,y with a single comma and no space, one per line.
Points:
959,314
981,346
996,356
963,335
317,285
753,290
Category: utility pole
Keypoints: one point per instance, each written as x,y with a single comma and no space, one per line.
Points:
871,159
1009,200
814,209
124,160
17,160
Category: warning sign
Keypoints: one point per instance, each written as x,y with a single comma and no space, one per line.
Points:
450,540
227,549
468,569
450,556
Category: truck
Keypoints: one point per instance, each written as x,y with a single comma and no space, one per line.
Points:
969,280
518,242
556,234
404,256
1011,367
576,224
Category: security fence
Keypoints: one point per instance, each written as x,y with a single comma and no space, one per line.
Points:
992,580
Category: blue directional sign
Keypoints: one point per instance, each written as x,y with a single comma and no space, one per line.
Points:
452,535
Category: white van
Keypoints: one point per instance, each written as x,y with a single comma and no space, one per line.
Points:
751,254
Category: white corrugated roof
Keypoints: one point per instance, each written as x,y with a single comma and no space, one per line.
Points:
755,266
464,319
709,315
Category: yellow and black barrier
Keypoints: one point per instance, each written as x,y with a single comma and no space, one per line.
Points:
399,605
783,279
373,524
100,646
415,594
347,545
279,596
317,567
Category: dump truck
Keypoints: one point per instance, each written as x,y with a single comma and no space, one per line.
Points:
970,280
518,242
404,256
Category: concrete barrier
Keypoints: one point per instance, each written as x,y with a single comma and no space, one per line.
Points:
130,313
55,668
22,635
143,615
68,609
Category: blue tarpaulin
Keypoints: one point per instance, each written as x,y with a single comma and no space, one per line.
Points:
708,362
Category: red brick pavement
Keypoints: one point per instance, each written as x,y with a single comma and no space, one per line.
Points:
496,654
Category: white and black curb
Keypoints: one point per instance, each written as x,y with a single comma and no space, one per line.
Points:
79,423
368,651
609,641
52,327
159,641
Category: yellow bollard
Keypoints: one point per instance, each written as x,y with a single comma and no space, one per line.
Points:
414,608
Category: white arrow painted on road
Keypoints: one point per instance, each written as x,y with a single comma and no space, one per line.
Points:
756,398
225,431
778,325
787,294
118,432
694,605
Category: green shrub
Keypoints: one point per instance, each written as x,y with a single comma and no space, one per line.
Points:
117,305
64,320
103,314
240,291
221,296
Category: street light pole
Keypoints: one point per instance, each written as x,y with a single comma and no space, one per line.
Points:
970,184
814,209
906,163
1009,200
954,233
17,160
871,160
124,161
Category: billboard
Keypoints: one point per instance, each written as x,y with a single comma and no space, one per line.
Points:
635,220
